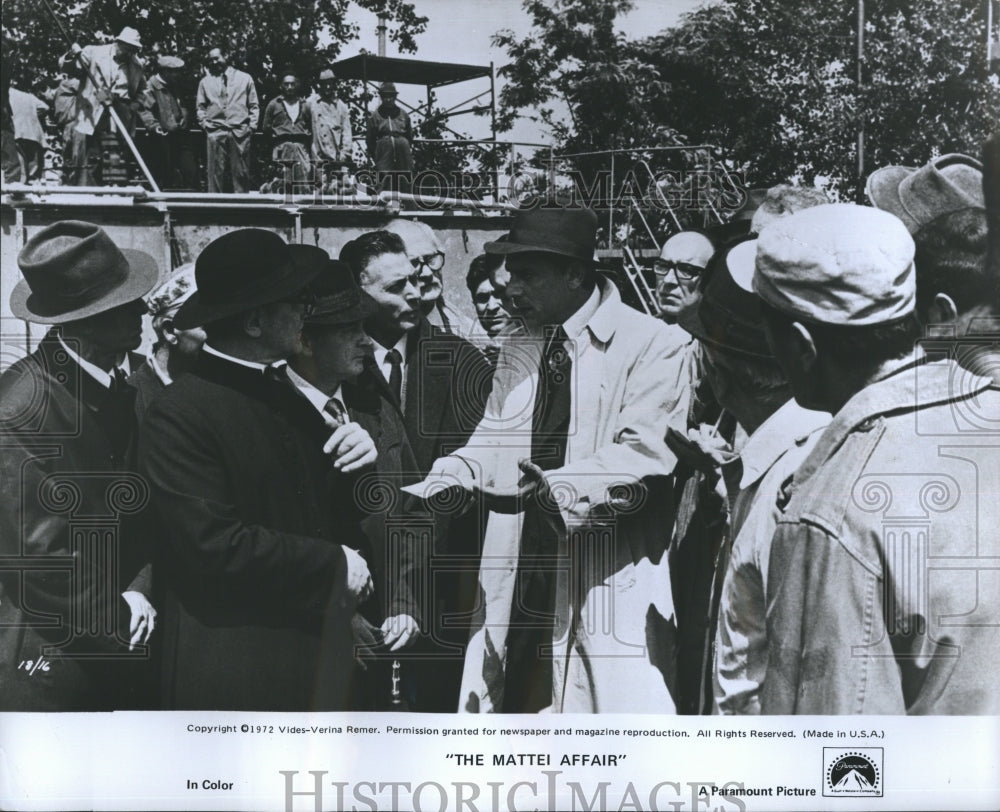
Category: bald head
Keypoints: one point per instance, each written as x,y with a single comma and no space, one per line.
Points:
425,253
683,258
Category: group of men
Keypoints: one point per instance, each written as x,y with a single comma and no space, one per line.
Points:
325,489
310,138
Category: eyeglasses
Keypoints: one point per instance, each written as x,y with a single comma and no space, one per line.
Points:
683,270
433,261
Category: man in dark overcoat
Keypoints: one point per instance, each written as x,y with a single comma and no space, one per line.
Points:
256,568
439,384
71,503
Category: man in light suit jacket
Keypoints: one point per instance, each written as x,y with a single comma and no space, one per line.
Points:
577,614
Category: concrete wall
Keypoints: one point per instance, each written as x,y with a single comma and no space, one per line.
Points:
142,227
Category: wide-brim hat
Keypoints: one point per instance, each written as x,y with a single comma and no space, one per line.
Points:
563,231
73,270
729,316
918,195
169,62
245,269
337,299
130,36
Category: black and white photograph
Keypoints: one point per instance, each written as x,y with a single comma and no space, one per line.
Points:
500,405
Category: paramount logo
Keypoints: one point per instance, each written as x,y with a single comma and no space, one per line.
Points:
852,772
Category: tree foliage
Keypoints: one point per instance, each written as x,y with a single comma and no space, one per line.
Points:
771,82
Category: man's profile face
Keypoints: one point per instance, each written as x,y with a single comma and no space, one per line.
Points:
489,308
118,330
392,282
538,289
682,260
339,350
426,257
216,61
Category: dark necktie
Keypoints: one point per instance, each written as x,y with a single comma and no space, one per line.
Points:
395,374
528,670
551,415
118,380
336,411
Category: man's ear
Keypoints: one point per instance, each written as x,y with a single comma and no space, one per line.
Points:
803,346
169,332
576,275
943,310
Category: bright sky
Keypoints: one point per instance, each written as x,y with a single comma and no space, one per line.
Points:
460,31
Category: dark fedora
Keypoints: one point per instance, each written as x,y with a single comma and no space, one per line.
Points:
386,88
73,270
337,299
566,232
729,316
245,269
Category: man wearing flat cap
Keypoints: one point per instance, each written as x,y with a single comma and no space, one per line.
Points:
332,140
254,566
69,434
167,121
571,461
119,78
388,134
881,595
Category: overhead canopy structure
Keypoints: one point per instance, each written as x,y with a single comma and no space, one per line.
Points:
369,68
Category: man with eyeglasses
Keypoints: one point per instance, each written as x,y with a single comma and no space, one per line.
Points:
428,258
682,261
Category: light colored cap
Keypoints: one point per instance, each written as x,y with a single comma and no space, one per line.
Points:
170,62
326,75
837,264
167,297
130,37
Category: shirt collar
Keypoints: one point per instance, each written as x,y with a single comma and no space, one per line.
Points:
317,398
603,322
94,371
580,320
399,346
240,361
159,371
790,425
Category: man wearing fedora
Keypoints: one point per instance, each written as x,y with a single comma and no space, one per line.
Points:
577,614
255,567
388,134
942,204
69,434
120,81
882,581
335,349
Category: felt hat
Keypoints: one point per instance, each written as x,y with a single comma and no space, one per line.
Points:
564,231
917,196
245,269
337,299
73,270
